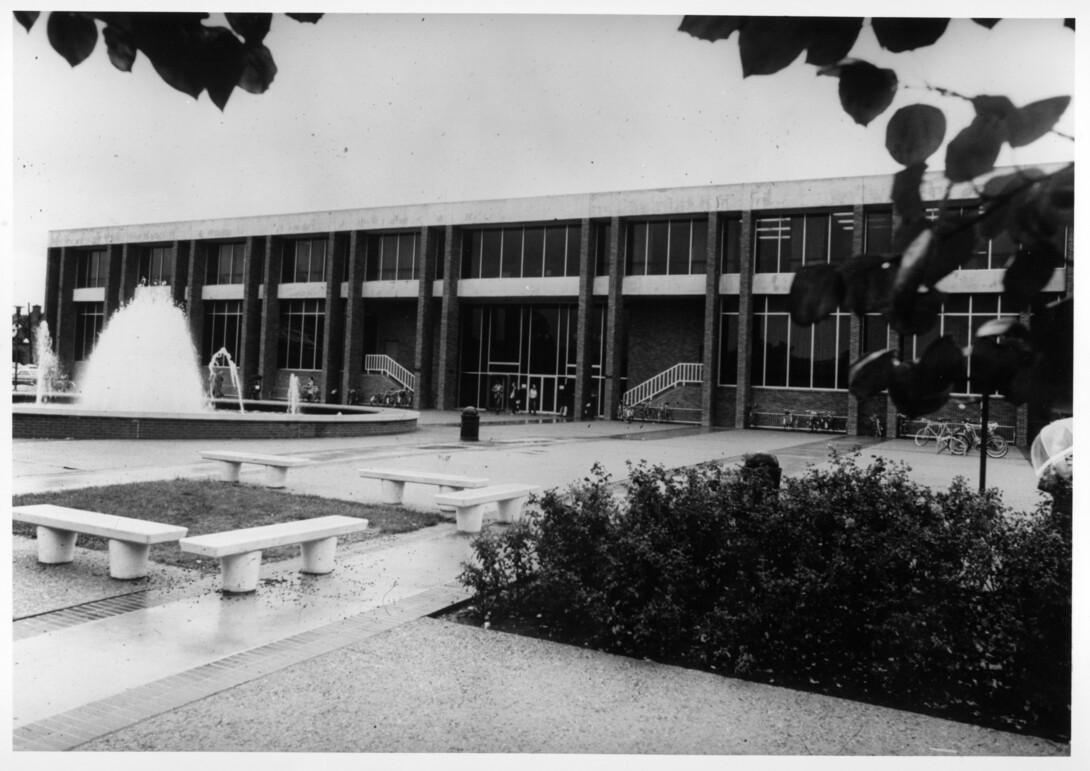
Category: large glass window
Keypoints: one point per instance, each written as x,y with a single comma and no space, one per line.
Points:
302,331
304,261
522,252
92,268
157,265
225,263
784,244
878,232
667,247
89,320
222,329
788,355
730,244
393,257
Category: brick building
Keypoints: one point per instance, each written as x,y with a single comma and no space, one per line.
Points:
582,296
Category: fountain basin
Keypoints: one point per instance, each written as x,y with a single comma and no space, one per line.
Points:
262,420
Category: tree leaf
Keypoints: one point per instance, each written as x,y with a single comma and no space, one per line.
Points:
868,283
989,23
223,62
831,38
872,374
912,262
27,18
995,107
72,35
974,150
1028,273
767,44
907,34
912,403
953,245
816,291
120,48
997,198
258,70
915,312
865,90
1030,123
1070,24
709,27
940,368
996,362
914,133
905,195
252,27
307,18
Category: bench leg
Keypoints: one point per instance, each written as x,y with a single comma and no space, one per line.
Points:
392,491
276,476
55,547
469,518
128,560
229,470
510,510
240,572
318,556
446,508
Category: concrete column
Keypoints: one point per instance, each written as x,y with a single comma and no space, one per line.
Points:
179,277
333,348
198,271
425,319
743,391
352,359
712,324
855,341
584,320
252,266
270,317
448,365
614,324
52,287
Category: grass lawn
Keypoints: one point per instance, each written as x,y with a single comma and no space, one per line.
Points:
205,506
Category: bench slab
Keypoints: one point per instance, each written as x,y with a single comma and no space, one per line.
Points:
469,504
129,539
423,477
285,461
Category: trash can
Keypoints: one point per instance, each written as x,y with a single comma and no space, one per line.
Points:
471,424
763,469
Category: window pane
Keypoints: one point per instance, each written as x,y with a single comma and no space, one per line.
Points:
637,255
471,266
775,344
842,229
658,243
816,239
492,245
533,254
601,250
843,365
680,238
699,255
791,251
556,246
732,246
769,232
406,256
728,349
825,353
799,372
878,232
575,238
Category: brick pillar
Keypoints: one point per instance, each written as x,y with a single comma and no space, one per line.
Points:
584,320
252,266
447,396
53,259
712,324
742,392
352,359
425,319
198,271
855,336
64,330
614,325
333,348
118,291
270,317
179,278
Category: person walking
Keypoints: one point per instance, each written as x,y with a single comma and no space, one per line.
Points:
514,399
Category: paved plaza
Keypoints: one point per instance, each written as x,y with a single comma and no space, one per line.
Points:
356,661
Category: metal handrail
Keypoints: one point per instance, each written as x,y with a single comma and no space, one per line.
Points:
679,374
378,362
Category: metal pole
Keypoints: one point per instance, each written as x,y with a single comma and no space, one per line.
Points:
983,441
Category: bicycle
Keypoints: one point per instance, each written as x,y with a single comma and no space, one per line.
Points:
627,413
789,420
932,430
877,427
996,447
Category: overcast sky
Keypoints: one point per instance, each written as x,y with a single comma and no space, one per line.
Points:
371,110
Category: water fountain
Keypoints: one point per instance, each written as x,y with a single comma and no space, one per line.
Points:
221,358
143,381
293,394
47,365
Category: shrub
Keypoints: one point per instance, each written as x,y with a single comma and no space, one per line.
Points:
854,580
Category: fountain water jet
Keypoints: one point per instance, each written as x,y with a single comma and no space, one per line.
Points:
293,394
223,355
144,359
47,364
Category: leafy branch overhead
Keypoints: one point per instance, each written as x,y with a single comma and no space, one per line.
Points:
188,55
1031,208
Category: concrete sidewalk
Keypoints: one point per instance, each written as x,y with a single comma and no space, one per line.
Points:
351,661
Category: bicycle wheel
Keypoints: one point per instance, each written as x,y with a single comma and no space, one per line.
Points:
959,445
997,446
923,436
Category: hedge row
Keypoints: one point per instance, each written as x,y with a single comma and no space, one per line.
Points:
852,581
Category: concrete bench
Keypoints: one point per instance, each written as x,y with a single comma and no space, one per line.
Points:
469,504
239,551
276,466
393,481
129,539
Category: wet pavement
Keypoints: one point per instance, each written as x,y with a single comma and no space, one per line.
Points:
352,662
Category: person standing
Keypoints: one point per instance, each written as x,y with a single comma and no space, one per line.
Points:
533,400
514,399
562,401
